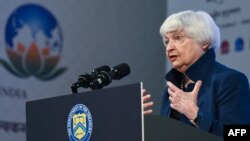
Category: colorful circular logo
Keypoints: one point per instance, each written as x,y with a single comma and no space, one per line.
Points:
79,124
225,47
34,42
239,44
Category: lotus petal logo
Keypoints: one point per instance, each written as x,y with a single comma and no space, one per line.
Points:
33,43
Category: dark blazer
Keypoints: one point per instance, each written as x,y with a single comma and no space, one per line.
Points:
224,97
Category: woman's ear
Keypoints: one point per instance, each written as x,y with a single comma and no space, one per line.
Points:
205,46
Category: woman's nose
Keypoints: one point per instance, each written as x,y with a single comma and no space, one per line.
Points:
169,46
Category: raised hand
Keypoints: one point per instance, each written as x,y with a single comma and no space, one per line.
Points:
184,102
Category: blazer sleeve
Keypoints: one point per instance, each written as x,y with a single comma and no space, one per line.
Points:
232,103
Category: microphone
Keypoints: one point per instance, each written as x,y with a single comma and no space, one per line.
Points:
96,71
105,77
85,79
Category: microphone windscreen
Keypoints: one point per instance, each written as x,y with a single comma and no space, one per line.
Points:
120,71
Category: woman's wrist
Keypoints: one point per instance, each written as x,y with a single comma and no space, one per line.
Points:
194,117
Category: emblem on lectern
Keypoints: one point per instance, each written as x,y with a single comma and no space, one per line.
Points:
79,124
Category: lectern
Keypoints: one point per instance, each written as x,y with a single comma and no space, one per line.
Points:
111,114
158,128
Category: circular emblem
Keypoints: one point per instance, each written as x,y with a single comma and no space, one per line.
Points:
34,42
79,124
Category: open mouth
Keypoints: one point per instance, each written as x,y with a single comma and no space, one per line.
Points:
172,57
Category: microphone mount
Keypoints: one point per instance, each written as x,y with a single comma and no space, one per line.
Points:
101,77
85,79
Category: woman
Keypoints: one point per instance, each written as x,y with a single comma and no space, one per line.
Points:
200,91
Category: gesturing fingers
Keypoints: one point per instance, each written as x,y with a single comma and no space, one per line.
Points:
183,101
170,99
147,112
146,97
175,95
148,104
143,92
172,86
171,93
174,98
197,88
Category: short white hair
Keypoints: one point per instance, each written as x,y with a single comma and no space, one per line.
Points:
197,25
